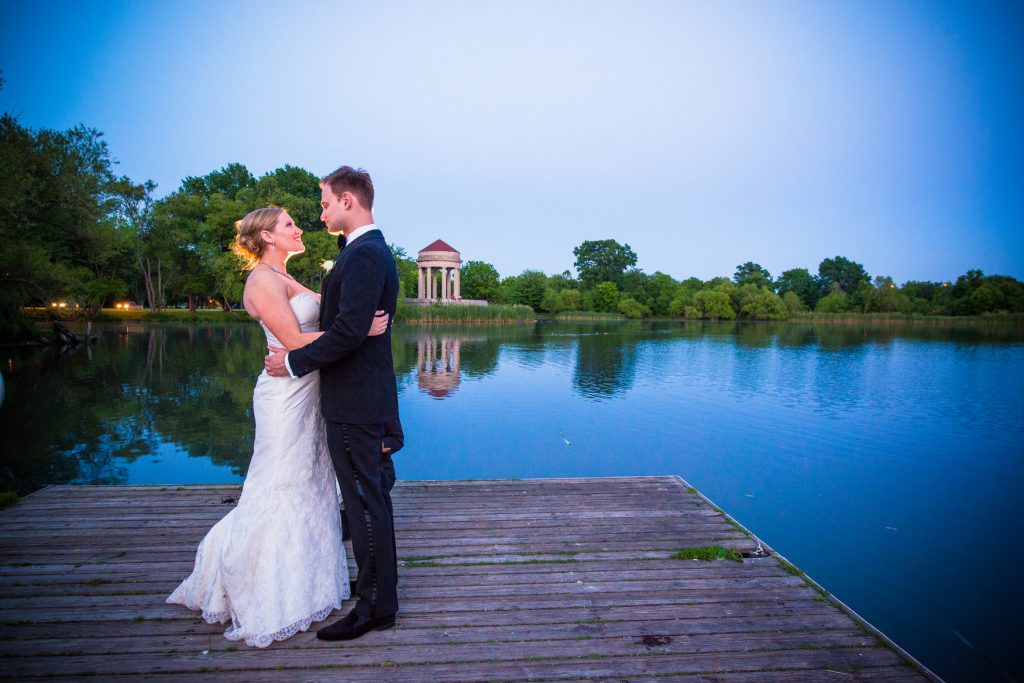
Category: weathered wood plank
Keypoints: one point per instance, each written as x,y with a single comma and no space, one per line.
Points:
500,580
412,654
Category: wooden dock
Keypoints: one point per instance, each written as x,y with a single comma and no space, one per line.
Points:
499,580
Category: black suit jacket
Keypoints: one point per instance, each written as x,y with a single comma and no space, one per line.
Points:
357,373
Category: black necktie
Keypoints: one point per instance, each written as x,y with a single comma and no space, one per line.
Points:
341,241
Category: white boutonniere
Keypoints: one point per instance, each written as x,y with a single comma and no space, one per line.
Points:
327,265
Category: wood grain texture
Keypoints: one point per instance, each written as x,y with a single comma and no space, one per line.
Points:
550,579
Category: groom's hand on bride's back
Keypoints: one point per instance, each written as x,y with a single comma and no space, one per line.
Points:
380,324
274,361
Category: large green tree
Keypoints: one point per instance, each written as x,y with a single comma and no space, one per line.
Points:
59,240
479,280
529,289
602,261
848,275
751,273
606,297
800,282
150,246
408,272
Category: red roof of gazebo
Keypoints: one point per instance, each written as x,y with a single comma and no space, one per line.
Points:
439,245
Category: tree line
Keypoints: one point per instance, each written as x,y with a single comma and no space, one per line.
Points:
73,230
607,280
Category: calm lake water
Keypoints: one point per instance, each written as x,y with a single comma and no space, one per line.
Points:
887,462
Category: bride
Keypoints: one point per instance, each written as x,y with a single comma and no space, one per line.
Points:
275,564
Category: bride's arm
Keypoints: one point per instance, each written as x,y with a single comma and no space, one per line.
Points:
268,299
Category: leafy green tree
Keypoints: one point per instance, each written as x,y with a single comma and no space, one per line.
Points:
479,280
133,209
963,288
683,298
930,298
793,303
750,273
1012,291
729,288
835,301
572,300
714,304
975,293
321,246
606,297
631,308
761,303
408,271
802,283
848,275
234,181
655,292
678,306
986,299
529,289
662,289
562,281
55,223
552,301
887,298
602,261
633,284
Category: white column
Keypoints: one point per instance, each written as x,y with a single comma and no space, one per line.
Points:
430,283
458,288
444,284
419,282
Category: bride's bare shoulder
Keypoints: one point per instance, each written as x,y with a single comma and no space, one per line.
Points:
262,288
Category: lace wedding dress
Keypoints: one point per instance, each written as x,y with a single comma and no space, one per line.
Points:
275,564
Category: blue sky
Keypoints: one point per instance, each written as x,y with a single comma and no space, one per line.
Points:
703,134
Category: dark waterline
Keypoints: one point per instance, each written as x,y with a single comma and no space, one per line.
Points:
884,461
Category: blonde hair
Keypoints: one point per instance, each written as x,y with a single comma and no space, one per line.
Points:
249,244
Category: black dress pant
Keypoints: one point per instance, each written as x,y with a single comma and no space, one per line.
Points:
365,483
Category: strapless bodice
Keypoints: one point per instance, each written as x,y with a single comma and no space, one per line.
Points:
306,307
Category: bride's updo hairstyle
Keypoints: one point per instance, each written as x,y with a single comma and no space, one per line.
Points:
249,244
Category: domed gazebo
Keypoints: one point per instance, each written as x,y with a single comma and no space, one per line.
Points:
439,256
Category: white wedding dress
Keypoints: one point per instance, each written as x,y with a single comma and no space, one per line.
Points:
275,564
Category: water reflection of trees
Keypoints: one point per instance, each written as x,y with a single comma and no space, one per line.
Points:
77,418
83,417
606,360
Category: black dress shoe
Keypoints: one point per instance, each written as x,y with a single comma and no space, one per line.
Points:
352,626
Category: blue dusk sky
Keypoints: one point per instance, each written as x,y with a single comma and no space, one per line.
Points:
703,134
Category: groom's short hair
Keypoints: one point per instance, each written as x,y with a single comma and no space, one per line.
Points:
353,180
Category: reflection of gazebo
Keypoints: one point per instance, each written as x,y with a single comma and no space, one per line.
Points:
438,365
439,257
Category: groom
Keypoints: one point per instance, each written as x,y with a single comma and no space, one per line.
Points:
358,393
